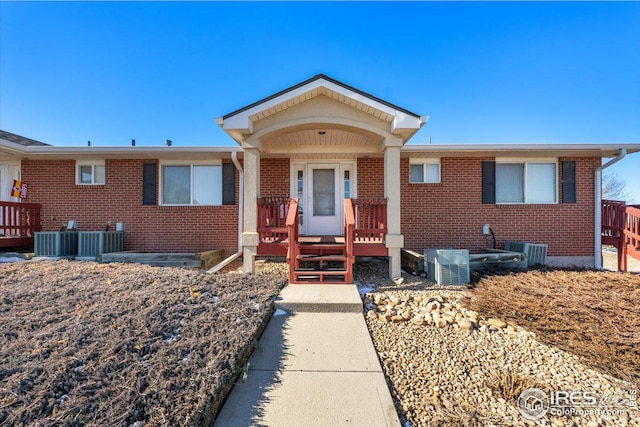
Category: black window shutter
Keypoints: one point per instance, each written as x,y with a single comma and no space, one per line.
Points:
228,184
149,181
488,182
568,181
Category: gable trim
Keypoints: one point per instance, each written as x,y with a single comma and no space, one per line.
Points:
311,80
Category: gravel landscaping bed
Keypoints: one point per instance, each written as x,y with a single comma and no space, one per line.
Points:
83,343
449,365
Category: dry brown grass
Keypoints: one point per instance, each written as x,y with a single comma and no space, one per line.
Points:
111,344
593,314
509,385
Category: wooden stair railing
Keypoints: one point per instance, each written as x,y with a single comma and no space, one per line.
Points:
349,236
292,233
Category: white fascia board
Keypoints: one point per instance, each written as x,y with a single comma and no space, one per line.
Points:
37,152
241,120
587,148
12,147
405,121
124,150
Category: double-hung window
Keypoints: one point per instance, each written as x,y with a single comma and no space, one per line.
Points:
192,184
532,181
424,171
90,172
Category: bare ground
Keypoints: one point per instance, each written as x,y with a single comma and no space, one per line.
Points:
83,343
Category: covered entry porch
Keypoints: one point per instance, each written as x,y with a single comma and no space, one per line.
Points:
317,131
321,258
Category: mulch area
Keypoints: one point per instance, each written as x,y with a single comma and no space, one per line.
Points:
83,343
593,314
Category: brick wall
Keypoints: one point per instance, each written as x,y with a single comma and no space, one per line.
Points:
451,214
370,175
149,228
274,177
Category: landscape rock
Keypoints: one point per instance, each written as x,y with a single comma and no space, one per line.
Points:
497,323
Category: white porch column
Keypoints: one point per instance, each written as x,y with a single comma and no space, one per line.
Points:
250,237
393,240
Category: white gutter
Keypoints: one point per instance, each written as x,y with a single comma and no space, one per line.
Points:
221,265
598,207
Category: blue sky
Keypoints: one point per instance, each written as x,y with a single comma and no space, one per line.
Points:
485,72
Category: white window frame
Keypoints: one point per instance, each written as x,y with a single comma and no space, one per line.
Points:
213,162
526,161
424,162
93,164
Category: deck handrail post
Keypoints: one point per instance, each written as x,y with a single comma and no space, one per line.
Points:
349,236
292,233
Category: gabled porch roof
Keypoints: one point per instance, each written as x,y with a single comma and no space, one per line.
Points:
395,120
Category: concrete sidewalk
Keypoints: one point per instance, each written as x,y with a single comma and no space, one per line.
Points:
314,366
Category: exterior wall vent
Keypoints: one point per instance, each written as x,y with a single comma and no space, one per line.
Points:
536,253
447,266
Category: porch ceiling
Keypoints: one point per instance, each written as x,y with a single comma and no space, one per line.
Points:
327,142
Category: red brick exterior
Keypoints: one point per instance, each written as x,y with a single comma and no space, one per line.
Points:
148,228
451,214
274,177
370,174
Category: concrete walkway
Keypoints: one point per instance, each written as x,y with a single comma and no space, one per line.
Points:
315,365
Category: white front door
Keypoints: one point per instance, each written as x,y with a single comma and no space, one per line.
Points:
321,188
325,204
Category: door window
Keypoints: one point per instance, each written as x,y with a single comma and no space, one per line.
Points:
324,196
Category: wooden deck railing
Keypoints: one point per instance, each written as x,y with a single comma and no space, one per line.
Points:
621,229
371,219
292,232
19,221
349,232
272,218
632,234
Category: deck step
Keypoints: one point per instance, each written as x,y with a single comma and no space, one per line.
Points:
319,275
321,245
317,258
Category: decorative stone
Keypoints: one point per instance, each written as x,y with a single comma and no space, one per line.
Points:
371,314
497,323
418,320
466,324
440,323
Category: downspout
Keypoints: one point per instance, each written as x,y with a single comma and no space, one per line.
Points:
598,206
221,265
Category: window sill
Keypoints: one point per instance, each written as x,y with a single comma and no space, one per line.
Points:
182,207
89,185
526,205
428,184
